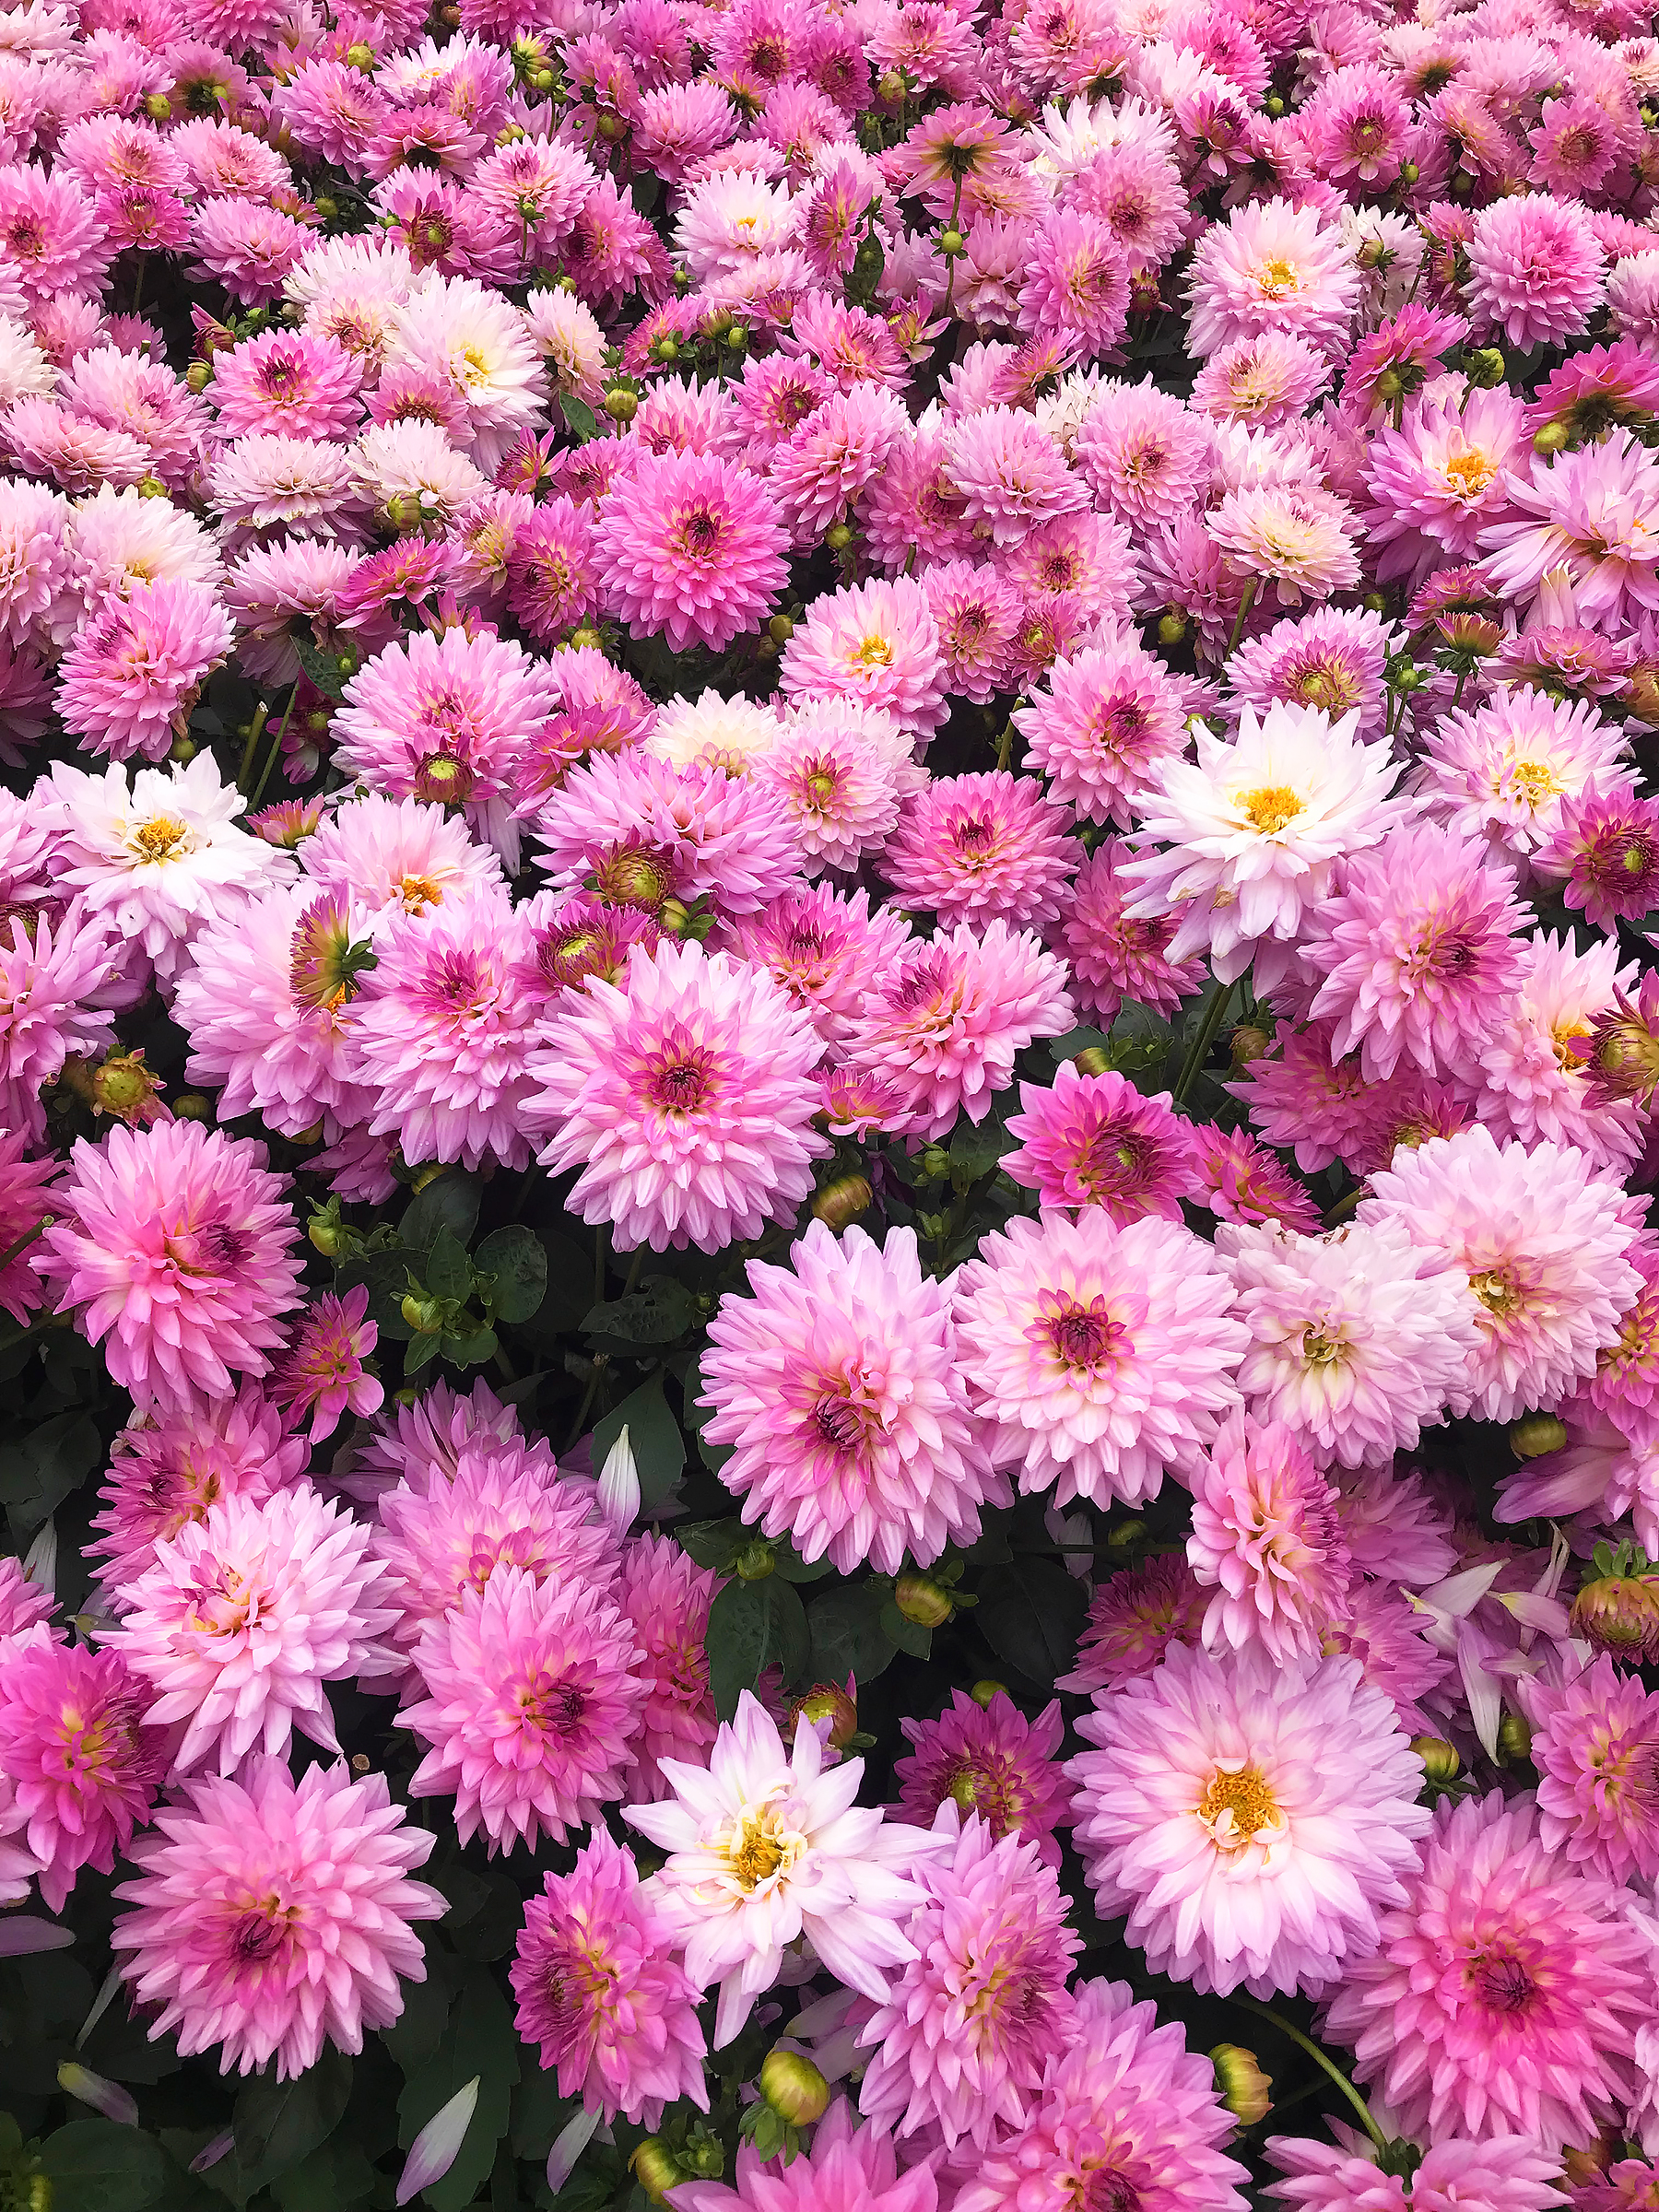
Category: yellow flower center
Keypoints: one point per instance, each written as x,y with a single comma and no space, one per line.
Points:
1240,1807
761,1848
1277,278
1535,778
1495,1287
160,840
416,893
1469,473
875,653
1271,808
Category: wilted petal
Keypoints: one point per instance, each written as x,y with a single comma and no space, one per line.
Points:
574,2138
22,1934
438,2146
106,2097
619,1482
211,2153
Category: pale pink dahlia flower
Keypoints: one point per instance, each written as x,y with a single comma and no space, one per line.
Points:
1253,831
167,1468
443,1530
693,548
381,852
1441,478
47,974
1272,266
963,2042
1503,771
980,847
1543,1243
270,1915
78,1761
181,1252
442,1032
132,676
1010,473
1126,2116
1102,728
244,1615
848,2169
1416,954
1357,1338
685,1095
1593,513
599,1995
666,1595
1537,272
874,644
1098,1357
1507,2173
531,1703
1096,1140
989,1760
944,1022
1250,1816
764,1847
1503,1996
838,1383
1268,1540
1595,1745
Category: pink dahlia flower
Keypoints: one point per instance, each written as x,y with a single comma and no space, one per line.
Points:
270,1916
839,787
666,1595
1268,1540
168,1469
847,2169
1145,456
1250,1817
531,1703
1544,1244
47,974
980,847
1535,1087
764,1847
1441,478
244,1615
78,1758
944,1023
1133,1616
874,643
1271,266
22,1602
1537,272
180,1253
1112,957
380,852
1107,721
1359,1338
838,1384
972,2022
1501,1998
597,1991
24,1202
1094,1140
1595,1745
1415,954
1332,657
324,1371
1593,514
692,547
132,676
1504,772
685,1096
445,1529
1504,2174
1383,1632
991,1761
823,946
1241,1180
1098,1357
1126,2115
1010,473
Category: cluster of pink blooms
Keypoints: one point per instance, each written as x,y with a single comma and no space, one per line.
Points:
720,612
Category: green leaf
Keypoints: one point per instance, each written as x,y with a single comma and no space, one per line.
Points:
324,668
421,1352
279,2123
847,1634
38,1475
100,2165
335,2175
905,1635
711,1543
569,1292
446,1271
470,1350
584,422
661,1311
387,1276
481,2040
753,1626
1030,1613
514,1256
653,1435
788,1562
974,1151
450,1201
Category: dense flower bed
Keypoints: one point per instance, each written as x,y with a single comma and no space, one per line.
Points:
826,1056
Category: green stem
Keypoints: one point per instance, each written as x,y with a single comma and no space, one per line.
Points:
1005,746
13,1251
254,727
601,1253
1344,1206
1319,2058
264,774
1215,1015
634,1267
1238,629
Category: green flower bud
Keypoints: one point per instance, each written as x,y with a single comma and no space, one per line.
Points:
755,1563
794,2088
656,2170
1536,1433
1441,1763
1515,1738
1091,1061
843,1201
1244,2089
923,1601
984,1693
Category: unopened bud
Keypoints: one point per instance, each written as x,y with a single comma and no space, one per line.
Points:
951,244
150,487
326,1236
1515,1738
889,87
1273,104
936,1162
1125,1533
1244,2089
780,629
123,1086
611,126
1171,627
984,1693
193,1107
198,376
656,2170
923,1601
1248,1043
674,916
424,1315
838,538
825,1701
1550,438
586,639
1441,1763
842,1201
1536,1434
183,750
1486,367
358,57
1618,1614
1374,604
794,2088
1410,172
1091,1061
158,107
621,405
754,1562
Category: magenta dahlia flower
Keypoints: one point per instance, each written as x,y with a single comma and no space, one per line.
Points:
1503,1997
24,1185
599,1993
1112,957
1251,1817
972,2022
1506,2173
991,1761
244,1615
765,1846
324,1373
685,1095
179,1253
1133,1616
531,1703
132,676
847,2169
979,847
1595,1745
1126,2115
666,1595
1097,1141
270,1916
692,548
1104,723
837,1385
78,1758
1267,1541
1096,1357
